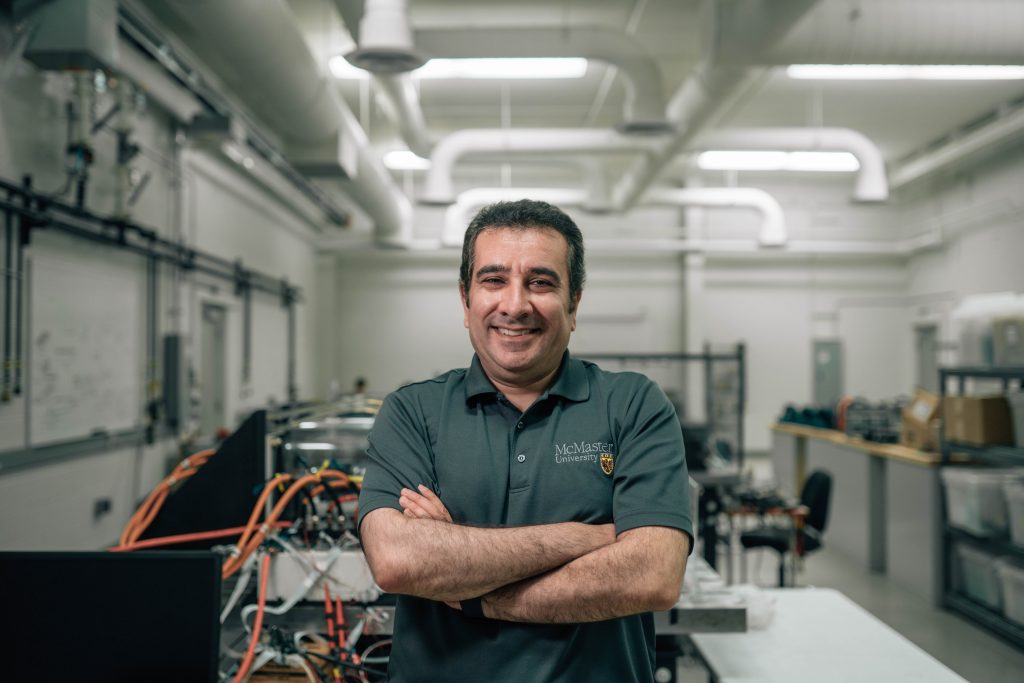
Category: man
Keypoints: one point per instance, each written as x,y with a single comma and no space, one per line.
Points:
531,510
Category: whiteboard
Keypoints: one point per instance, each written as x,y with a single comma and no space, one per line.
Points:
85,347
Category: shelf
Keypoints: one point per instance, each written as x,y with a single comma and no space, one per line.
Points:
996,455
994,621
983,371
996,546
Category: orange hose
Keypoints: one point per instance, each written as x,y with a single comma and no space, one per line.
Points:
250,541
146,513
258,624
186,538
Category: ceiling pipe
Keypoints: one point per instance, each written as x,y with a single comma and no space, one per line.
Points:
153,80
773,228
458,215
872,184
1009,125
644,111
758,23
302,105
773,224
438,188
402,103
385,39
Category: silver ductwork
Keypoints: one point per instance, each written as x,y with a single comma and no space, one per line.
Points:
516,141
295,97
645,101
872,185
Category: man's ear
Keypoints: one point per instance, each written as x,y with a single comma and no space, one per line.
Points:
574,306
464,298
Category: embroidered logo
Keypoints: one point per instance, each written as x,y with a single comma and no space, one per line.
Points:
584,451
607,463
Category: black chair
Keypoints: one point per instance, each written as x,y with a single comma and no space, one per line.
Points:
800,539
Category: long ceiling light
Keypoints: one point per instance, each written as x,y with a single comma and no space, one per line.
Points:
771,160
892,72
484,68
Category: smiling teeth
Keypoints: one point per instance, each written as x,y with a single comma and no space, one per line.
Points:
512,333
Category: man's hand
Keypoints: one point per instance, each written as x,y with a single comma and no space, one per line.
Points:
423,505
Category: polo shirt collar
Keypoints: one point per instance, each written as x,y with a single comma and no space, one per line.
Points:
571,382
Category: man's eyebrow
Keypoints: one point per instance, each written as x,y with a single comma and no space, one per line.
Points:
492,268
546,272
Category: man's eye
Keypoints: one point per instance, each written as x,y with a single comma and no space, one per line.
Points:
491,281
541,283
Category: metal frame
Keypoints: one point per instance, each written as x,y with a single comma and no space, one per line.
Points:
1000,456
708,358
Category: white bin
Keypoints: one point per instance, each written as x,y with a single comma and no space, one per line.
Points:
977,577
974,498
1016,402
1014,494
1011,578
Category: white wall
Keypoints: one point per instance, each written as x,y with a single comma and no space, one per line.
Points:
214,208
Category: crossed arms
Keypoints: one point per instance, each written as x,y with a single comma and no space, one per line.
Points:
550,573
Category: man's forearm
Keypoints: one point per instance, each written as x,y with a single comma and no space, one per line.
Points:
450,562
641,572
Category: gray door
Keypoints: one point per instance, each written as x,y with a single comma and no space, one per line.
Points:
212,378
927,349
828,372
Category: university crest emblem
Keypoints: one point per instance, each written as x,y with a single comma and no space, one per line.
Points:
607,463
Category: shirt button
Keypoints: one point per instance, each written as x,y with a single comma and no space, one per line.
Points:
521,458
519,426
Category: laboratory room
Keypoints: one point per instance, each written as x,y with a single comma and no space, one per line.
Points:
315,312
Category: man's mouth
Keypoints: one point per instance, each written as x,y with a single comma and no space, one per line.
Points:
515,332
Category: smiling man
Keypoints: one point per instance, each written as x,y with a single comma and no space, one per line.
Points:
531,510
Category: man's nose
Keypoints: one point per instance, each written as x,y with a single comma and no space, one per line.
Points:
516,302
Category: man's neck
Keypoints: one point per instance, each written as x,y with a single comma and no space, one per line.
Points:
523,396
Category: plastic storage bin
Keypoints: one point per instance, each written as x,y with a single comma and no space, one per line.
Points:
975,501
1011,579
1014,494
1016,403
977,576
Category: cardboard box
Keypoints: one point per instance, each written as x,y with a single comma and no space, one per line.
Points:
919,426
977,420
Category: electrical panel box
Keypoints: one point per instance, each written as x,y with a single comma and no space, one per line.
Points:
71,34
175,381
348,577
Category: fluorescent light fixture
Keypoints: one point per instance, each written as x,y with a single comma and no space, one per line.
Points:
771,160
316,446
405,160
308,425
484,68
891,72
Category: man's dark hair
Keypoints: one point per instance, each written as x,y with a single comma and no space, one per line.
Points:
526,214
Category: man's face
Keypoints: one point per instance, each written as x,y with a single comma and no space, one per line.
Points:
519,315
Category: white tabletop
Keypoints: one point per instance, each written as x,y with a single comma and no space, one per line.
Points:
819,634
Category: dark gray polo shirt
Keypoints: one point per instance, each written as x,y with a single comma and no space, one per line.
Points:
596,447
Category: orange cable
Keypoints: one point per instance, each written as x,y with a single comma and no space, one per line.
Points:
258,624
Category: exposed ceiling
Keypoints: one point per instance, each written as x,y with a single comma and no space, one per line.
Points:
901,117
697,67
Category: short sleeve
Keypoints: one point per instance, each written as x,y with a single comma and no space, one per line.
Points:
399,455
651,481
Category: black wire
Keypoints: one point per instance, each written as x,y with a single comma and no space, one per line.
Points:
357,667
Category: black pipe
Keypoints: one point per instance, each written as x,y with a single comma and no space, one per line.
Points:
164,250
19,284
5,393
292,389
246,335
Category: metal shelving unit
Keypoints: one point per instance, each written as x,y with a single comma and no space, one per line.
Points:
994,456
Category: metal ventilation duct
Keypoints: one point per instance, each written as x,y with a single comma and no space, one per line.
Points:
385,39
